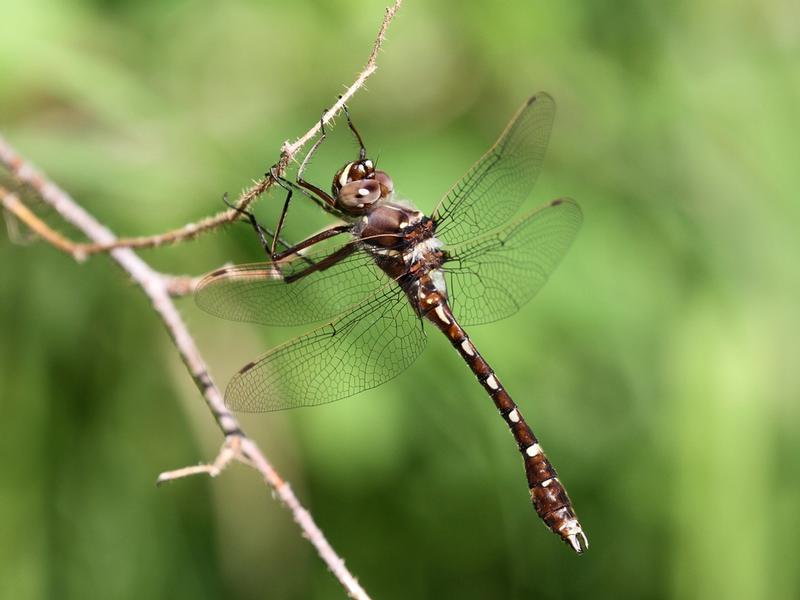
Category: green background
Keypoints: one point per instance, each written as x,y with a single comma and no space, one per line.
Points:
658,366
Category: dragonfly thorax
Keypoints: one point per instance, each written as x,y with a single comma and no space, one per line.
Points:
401,239
393,225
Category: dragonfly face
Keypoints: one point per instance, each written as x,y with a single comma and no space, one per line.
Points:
357,187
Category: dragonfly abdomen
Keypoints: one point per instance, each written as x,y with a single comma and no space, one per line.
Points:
548,495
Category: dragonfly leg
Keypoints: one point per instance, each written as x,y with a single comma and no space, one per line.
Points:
362,154
320,197
325,201
322,137
281,219
309,187
314,239
262,232
325,263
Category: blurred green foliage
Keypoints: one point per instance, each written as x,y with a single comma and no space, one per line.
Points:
659,366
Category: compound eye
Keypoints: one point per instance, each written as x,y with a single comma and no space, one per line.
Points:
387,185
358,196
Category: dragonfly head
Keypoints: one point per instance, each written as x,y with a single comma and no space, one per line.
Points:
357,186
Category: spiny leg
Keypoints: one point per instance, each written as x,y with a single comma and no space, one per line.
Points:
309,187
314,239
261,231
323,135
325,263
362,154
281,219
327,201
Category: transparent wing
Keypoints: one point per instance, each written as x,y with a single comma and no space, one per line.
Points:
491,277
494,187
362,349
260,293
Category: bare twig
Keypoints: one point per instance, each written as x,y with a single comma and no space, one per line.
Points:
160,287
290,150
190,230
176,285
12,204
155,286
231,449
180,285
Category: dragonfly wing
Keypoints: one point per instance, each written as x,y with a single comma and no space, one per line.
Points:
494,187
361,349
491,277
260,292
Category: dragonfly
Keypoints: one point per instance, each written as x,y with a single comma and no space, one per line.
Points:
387,272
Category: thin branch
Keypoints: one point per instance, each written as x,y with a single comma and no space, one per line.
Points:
176,285
231,450
290,150
14,205
190,230
180,285
248,196
154,285
160,288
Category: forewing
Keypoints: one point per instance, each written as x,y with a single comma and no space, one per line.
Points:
362,349
259,293
491,277
494,187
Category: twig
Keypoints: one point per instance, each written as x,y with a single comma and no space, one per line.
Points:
180,285
159,288
176,285
248,196
155,286
288,151
188,231
12,204
231,449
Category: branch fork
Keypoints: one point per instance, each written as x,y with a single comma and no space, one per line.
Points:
230,450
